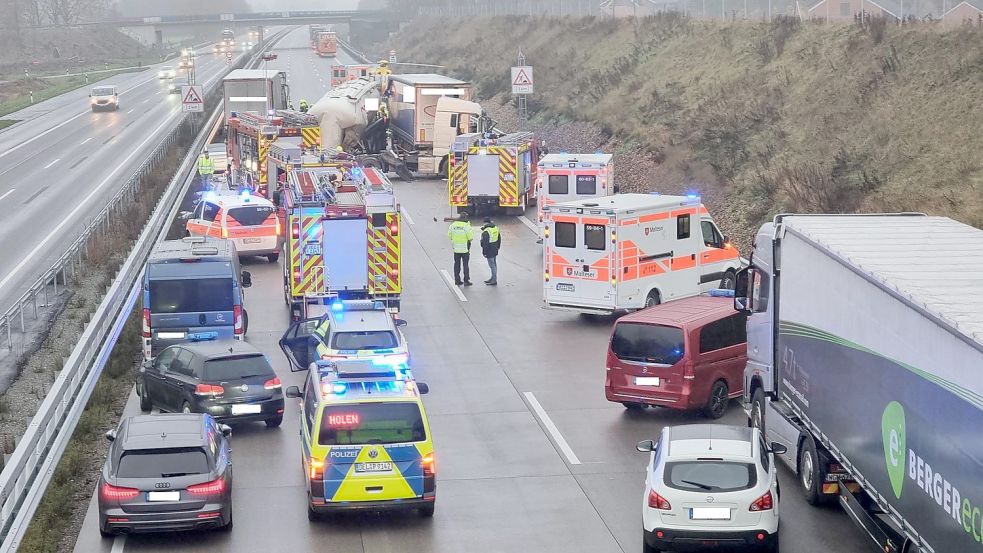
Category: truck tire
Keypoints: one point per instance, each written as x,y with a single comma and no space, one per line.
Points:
654,298
757,417
718,400
810,472
273,257
442,169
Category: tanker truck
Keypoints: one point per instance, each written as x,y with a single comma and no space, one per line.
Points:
408,129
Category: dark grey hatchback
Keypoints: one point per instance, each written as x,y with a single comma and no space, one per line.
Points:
166,473
228,379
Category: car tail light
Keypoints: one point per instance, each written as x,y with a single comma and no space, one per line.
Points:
237,318
116,493
317,469
429,465
209,390
656,501
272,384
763,503
214,487
146,323
213,514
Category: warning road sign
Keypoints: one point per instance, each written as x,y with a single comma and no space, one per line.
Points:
192,99
522,80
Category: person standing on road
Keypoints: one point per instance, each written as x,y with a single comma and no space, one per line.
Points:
491,241
461,235
206,167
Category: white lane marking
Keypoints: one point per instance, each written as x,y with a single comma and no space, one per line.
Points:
145,101
551,428
86,140
7,193
48,166
71,216
62,124
131,111
111,123
525,221
119,542
454,287
406,215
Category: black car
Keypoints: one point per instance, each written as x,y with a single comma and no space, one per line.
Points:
228,379
166,472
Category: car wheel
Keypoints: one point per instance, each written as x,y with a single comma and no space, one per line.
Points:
273,257
654,298
646,548
728,281
757,418
633,406
312,515
428,510
105,533
186,408
245,322
146,404
717,402
275,421
809,472
773,546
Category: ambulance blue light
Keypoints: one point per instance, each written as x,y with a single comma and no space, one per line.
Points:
691,194
339,388
337,306
244,193
210,196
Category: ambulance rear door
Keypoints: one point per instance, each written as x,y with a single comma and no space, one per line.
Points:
579,260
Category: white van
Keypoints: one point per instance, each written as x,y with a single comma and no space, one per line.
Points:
566,177
104,96
630,251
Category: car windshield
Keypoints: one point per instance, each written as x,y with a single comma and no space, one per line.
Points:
191,295
710,476
162,463
371,423
236,368
647,343
369,339
103,91
250,216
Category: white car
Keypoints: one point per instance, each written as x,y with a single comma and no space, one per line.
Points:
710,486
166,73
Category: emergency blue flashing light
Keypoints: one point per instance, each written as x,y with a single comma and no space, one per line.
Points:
692,194
337,306
339,388
210,196
244,193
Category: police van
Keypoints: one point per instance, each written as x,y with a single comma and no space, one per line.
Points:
192,285
365,438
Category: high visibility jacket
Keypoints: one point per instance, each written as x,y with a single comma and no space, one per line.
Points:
205,166
461,235
491,240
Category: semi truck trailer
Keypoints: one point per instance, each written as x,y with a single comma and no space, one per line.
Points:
865,359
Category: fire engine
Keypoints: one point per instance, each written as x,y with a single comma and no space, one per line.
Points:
251,134
343,233
496,172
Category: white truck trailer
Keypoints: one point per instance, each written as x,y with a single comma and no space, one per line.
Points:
255,90
865,358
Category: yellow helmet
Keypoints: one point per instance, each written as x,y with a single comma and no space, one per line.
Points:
339,148
383,63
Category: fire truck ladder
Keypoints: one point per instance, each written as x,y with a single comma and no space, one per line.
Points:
513,139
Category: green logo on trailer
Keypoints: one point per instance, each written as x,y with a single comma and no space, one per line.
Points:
893,432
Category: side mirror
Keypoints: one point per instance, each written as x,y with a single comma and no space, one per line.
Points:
645,446
400,322
742,299
147,364
111,435
778,449
293,391
247,279
423,388
226,430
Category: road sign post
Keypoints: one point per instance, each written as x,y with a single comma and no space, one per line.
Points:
522,83
191,99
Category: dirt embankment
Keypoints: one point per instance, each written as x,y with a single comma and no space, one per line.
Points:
758,117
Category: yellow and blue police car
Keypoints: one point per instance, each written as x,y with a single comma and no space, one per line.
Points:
348,329
365,438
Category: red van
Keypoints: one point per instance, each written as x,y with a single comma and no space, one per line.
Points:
685,354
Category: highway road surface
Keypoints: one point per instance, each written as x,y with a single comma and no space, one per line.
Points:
60,166
530,456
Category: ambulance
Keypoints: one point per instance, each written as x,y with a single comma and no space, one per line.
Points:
247,220
566,177
629,251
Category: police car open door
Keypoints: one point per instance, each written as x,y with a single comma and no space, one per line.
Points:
299,344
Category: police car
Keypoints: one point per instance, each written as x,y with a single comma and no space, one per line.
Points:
365,438
349,329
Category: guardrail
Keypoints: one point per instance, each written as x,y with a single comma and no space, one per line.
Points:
29,470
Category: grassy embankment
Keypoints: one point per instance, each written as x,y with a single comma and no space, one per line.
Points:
782,116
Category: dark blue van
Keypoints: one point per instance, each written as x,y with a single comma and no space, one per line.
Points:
193,289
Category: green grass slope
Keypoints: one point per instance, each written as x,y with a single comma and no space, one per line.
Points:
781,116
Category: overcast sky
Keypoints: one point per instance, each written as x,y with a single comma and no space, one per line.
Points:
276,5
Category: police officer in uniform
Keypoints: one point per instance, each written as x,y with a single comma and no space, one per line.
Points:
491,241
461,235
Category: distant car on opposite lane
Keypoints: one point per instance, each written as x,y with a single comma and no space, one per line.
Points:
166,73
167,472
174,87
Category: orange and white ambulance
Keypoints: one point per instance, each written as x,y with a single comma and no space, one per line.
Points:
566,177
630,251
248,220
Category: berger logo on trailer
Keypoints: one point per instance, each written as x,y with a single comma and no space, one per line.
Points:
893,432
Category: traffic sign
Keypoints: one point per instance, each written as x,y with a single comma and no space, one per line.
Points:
392,56
192,99
228,57
522,80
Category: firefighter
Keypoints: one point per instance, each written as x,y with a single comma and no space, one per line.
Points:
491,241
206,167
304,106
461,235
340,153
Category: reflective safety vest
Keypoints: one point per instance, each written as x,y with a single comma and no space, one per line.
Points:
205,166
492,234
461,235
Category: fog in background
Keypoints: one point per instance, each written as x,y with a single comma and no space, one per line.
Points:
134,8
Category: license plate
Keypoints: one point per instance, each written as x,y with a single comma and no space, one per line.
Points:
247,409
647,381
709,513
170,335
163,496
374,467
250,240
564,287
